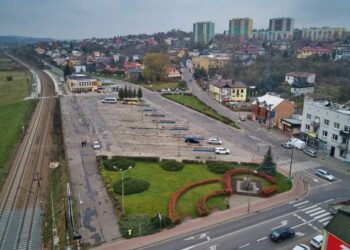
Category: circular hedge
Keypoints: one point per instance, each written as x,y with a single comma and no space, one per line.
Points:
172,165
219,167
119,162
131,186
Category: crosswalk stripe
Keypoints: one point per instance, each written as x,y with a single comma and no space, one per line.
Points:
322,215
312,210
308,208
298,166
325,219
318,212
300,203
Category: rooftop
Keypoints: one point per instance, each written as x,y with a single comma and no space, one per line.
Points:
300,74
340,224
269,99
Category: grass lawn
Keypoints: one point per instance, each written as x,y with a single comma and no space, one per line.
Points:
163,184
11,118
17,89
160,85
283,184
194,103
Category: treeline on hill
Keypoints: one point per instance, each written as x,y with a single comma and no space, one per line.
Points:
268,74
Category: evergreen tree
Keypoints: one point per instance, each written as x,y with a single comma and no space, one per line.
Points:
121,94
67,70
268,166
139,93
129,92
125,92
134,93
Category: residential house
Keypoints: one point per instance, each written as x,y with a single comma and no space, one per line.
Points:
81,82
336,233
40,51
307,52
209,62
270,110
173,74
297,77
302,88
239,92
326,125
220,89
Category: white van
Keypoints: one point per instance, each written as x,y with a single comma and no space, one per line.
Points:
299,144
111,100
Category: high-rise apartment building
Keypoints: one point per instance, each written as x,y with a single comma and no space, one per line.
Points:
283,24
324,33
203,32
241,28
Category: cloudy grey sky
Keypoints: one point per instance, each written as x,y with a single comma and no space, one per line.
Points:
68,19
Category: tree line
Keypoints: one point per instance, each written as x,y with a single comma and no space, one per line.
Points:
128,92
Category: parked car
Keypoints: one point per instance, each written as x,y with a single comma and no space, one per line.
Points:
301,247
281,234
214,140
286,145
317,241
297,143
222,151
310,152
192,140
96,145
242,118
325,175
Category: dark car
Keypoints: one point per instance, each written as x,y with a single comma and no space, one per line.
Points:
281,234
191,140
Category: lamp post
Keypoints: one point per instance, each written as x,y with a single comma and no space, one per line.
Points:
250,176
291,163
122,172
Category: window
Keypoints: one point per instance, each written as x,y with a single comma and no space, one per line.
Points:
326,122
335,137
242,90
336,125
307,126
346,128
324,133
308,116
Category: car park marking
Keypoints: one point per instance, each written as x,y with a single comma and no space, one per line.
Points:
299,234
246,245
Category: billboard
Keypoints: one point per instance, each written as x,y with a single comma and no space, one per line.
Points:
334,243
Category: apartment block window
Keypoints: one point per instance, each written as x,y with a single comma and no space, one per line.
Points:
326,122
336,125
307,126
335,137
324,133
347,129
308,116
242,90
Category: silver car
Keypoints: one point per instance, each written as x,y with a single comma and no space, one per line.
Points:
310,152
325,175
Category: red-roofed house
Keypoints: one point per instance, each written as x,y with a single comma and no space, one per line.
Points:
173,74
307,52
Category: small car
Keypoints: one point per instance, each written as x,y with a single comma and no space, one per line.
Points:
281,234
215,141
222,151
310,152
242,118
317,241
96,145
286,145
325,175
301,247
192,140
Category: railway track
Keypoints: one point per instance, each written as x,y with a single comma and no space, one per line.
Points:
20,211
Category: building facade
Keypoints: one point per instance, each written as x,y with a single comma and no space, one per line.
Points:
241,28
209,62
282,24
297,77
324,34
203,32
327,126
307,52
223,90
80,82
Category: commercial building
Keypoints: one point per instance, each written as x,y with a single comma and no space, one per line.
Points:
326,126
269,110
209,62
324,34
241,28
80,82
203,32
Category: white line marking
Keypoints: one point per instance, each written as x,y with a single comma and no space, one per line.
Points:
244,246
322,215
328,201
300,203
299,234
312,210
264,238
318,212
188,248
325,219
310,207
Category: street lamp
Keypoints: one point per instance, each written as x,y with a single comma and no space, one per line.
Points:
250,176
291,162
122,172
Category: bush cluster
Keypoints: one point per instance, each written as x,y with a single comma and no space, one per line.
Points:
171,165
173,215
202,208
268,191
119,162
144,158
131,186
219,167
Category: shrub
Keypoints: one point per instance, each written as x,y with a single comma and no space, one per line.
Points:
173,215
171,165
165,222
191,161
250,164
144,158
268,191
202,208
119,162
131,186
9,78
219,167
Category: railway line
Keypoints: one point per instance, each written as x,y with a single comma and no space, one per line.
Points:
20,206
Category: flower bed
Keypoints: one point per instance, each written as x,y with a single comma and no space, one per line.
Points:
202,208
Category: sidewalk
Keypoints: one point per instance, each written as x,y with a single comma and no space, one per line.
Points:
191,226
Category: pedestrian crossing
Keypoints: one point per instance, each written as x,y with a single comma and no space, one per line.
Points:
298,166
316,212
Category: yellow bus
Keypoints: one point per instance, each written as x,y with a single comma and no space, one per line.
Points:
131,101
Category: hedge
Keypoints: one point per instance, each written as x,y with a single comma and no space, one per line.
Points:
119,162
144,158
219,167
202,208
268,191
171,165
191,161
131,186
172,214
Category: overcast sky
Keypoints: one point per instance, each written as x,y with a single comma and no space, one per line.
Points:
68,19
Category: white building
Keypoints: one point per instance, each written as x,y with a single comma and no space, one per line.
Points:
297,77
327,126
302,88
324,33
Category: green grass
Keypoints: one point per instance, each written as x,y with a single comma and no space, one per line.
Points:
163,184
17,89
11,118
194,103
283,184
160,85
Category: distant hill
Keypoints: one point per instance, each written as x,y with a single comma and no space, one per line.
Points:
19,40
